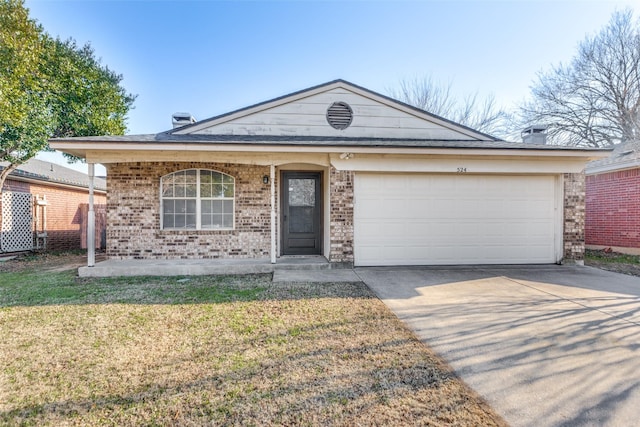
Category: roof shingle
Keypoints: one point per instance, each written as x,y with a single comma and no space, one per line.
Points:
292,140
55,173
622,156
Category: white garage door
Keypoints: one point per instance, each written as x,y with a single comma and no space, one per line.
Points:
420,219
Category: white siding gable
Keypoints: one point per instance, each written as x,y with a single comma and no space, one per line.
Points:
304,114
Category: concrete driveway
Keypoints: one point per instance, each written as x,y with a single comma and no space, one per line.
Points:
545,345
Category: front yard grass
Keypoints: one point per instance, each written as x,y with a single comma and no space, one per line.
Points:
235,350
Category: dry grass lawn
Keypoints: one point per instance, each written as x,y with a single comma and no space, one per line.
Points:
214,351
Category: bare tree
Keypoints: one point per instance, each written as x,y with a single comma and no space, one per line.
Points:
595,100
481,114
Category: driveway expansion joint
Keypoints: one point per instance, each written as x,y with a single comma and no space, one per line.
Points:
572,301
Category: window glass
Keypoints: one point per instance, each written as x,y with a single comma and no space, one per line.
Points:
191,190
206,206
227,207
217,190
302,192
167,187
168,206
205,190
227,190
183,191
179,190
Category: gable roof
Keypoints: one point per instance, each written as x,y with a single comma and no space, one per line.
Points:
298,122
624,156
340,88
53,173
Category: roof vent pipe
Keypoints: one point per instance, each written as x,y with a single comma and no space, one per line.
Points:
182,119
536,134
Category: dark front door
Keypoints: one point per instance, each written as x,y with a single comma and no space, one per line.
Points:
301,213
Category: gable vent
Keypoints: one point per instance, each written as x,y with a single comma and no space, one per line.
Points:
339,115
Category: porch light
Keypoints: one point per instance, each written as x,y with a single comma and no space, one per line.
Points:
265,179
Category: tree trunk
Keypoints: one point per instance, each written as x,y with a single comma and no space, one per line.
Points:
4,173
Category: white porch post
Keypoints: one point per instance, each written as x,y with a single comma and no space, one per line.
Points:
272,179
91,223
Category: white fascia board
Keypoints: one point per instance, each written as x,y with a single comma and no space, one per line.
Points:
96,147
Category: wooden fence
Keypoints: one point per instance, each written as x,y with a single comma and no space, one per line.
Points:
101,225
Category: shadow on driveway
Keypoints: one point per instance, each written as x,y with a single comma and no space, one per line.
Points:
545,345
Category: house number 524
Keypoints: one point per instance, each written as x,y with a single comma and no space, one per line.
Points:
462,170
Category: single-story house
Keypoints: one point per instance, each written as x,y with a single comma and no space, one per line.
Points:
613,200
343,172
44,206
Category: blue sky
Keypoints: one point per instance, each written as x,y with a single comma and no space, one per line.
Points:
211,57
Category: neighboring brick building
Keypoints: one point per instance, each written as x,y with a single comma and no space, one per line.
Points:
613,201
66,194
341,172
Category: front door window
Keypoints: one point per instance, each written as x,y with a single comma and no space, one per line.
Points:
301,218
302,203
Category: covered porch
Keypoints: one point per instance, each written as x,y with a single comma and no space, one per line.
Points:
260,214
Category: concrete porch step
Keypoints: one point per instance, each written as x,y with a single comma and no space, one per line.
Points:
311,262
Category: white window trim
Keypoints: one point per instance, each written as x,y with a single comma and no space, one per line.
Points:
198,200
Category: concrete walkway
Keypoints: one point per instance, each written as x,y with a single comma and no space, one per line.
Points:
546,346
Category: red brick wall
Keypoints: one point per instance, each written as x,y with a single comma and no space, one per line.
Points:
613,209
64,219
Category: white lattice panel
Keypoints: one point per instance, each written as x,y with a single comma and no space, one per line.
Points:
17,222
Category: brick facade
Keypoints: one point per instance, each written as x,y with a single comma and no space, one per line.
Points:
65,221
133,215
613,209
574,217
341,221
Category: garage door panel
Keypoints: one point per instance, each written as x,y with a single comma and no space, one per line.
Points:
369,254
535,209
467,229
492,209
445,208
373,232
419,219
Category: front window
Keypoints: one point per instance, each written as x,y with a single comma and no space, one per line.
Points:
197,199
